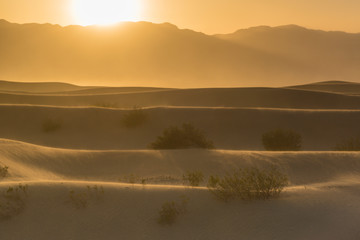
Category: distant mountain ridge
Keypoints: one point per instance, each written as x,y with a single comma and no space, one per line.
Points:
162,55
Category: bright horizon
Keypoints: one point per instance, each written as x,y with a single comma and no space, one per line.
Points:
208,16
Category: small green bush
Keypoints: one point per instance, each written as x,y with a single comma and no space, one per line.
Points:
134,118
282,140
51,125
170,211
193,178
4,172
248,184
12,201
187,136
352,144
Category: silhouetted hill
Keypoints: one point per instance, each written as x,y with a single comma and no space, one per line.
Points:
147,54
37,87
205,97
342,87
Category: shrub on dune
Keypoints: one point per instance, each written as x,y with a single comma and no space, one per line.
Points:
184,137
171,210
193,178
81,199
134,118
12,201
4,172
248,184
282,140
352,144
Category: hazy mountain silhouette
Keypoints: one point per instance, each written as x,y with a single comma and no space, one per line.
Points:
147,54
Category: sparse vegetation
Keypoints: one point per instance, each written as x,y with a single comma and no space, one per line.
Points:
81,199
51,125
4,172
184,137
282,140
193,178
162,179
170,211
248,184
12,201
107,105
352,144
134,118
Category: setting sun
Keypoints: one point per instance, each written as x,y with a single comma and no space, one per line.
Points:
104,12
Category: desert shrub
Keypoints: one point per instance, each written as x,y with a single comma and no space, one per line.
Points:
82,199
51,125
107,105
186,136
282,140
193,178
4,172
171,210
248,184
132,178
13,201
352,144
163,179
134,118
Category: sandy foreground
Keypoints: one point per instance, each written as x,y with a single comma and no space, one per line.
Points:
93,155
321,203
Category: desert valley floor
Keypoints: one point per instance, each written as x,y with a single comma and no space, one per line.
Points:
87,150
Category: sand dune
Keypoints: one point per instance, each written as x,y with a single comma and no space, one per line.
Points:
321,203
37,163
207,97
349,88
229,128
36,87
92,147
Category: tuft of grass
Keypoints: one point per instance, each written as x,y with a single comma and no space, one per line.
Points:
249,184
13,201
51,125
134,118
4,172
282,140
171,210
184,137
193,179
352,144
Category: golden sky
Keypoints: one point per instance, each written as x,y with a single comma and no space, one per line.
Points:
209,16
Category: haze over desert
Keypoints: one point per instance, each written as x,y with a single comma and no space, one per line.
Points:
143,120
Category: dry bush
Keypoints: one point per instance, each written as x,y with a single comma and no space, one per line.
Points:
82,199
134,118
170,211
12,201
352,144
107,105
184,137
282,140
193,178
51,125
4,172
248,184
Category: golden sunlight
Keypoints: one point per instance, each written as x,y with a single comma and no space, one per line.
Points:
105,12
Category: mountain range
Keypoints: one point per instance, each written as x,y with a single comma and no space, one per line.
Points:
148,54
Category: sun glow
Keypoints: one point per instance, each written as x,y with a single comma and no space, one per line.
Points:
105,12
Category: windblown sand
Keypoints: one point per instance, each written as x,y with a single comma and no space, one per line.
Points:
92,149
